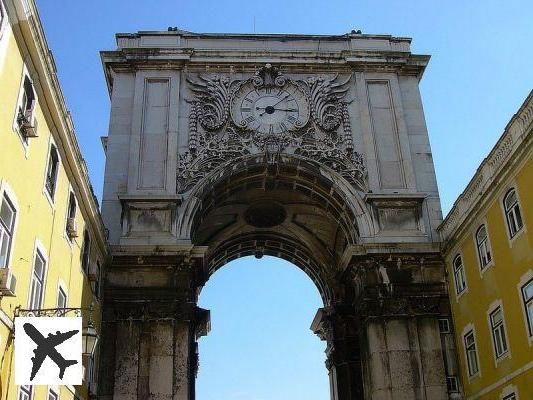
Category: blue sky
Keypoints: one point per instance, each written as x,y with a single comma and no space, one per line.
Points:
479,74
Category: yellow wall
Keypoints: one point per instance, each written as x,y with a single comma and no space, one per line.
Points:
512,260
39,220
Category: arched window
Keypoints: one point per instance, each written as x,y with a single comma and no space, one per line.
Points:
51,172
512,212
483,246
459,274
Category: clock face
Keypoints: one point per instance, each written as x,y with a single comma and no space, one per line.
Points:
270,110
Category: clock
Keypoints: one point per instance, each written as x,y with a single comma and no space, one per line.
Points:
270,109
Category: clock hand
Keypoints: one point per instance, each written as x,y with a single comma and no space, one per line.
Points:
275,104
286,109
277,109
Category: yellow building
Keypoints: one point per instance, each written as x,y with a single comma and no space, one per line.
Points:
488,248
52,242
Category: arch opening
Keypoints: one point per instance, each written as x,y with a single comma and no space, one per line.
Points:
292,209
260,344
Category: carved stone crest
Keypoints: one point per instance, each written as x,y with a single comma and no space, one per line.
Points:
268,113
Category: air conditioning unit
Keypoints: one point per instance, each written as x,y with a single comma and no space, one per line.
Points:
8,282
93,272
72,230
28,122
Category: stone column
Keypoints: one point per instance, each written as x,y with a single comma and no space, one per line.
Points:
402,346
339,327
154,353
151,325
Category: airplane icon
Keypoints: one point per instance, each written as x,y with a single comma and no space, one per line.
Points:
46,348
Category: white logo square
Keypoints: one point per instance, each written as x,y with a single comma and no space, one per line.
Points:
48,351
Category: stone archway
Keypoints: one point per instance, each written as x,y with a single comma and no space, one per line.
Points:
289,210
338,180
296,210
293,209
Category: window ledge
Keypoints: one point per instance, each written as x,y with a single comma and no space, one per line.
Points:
502,358
486,268
459,295
517,235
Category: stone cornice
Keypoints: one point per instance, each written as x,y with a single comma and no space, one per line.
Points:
29,34
184,38
245,53
512,146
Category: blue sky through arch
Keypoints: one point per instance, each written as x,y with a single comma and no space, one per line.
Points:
260,346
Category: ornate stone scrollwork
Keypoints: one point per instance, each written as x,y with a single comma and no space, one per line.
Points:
211,101
268,76
326,96
216,139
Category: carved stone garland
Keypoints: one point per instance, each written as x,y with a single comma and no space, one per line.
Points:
214,139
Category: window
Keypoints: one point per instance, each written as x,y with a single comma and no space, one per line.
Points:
70,227
61,298
25,392
27,104
471,353
512,213
52,395
459,274
498,332
37,281
511,396
86,252
483,246
444,325
7,225
451,384
527,295
51,172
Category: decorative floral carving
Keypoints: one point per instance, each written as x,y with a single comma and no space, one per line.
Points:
326,95
212,100
213,151
331,151
326,138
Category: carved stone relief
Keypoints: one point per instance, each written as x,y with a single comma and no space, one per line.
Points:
143,217
231,119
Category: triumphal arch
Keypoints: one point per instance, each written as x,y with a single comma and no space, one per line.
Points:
309,148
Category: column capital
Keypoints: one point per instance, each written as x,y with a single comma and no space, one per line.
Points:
394,300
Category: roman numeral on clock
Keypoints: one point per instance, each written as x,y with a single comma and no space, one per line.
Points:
249,119
292,119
